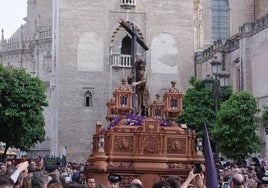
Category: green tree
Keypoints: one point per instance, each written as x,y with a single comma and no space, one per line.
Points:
22,101
264,119
199,106
236,126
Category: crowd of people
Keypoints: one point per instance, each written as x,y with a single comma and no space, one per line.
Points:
254,175
29,174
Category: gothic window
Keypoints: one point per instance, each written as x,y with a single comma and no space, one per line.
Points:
121,47
126,45
88,98
220,23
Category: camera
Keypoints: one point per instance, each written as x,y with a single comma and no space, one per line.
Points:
67,179
226,185
197,168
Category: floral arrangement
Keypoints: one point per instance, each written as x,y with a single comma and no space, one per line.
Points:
136,120
164,122
114,122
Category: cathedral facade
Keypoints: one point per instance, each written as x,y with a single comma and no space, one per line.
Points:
81,52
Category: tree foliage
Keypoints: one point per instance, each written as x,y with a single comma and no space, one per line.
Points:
264,119
22,100
233,128
236,126
199,106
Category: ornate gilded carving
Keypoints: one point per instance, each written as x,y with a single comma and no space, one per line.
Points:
151,126
123,143
152,148
176,145
150,145
123,87
127,179
157,108
179,165
173,102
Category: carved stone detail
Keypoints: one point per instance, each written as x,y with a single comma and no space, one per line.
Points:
123,144
176,145
127,179
150,127
151,145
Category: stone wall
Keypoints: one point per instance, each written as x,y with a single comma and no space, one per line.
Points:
261,8
241,11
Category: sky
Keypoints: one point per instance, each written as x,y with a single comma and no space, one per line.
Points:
12,13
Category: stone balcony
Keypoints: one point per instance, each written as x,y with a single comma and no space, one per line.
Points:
127,3
121,61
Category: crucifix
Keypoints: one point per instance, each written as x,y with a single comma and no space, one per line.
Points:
138,81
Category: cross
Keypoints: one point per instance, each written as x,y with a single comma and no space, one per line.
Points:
134,40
